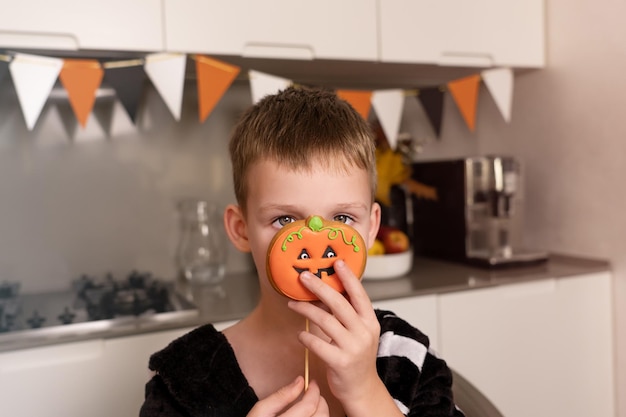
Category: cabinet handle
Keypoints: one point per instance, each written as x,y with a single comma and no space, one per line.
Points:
466,59
277,51
61,41
51,356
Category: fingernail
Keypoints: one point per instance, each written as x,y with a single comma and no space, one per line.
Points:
306,275
340,263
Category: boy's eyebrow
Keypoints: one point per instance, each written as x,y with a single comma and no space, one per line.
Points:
290,208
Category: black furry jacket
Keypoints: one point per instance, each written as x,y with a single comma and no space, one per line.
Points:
198,375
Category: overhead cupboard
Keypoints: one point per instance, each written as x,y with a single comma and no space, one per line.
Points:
111,25
440,32
481,33
324,29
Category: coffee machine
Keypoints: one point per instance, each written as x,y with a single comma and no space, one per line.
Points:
476,217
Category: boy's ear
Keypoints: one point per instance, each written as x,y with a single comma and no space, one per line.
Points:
236,228
375,214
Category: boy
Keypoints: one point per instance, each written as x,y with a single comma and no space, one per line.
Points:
297,153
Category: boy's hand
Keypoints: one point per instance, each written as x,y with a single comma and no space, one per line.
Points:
283,402
354,331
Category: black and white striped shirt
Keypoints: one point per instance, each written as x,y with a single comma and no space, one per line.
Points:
198,375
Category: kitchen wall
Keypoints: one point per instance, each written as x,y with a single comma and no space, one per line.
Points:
68,208
568,127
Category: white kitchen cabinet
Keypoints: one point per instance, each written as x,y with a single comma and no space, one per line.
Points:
542,348
97,378
290,29
77,24
60,380
481,33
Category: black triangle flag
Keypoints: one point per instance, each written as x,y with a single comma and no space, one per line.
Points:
4,69
128,83
432,102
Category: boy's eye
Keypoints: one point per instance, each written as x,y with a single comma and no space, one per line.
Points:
283,221
343,218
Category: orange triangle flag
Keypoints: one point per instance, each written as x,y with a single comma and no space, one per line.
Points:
465,94
81,79
214,78
359,99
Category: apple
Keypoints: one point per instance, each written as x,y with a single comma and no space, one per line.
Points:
395,241
383,230
378,248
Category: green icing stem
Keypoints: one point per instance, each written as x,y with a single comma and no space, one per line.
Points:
333,233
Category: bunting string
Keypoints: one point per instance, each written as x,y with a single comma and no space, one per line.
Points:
166,71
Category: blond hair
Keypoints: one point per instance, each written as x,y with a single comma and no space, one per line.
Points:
300,128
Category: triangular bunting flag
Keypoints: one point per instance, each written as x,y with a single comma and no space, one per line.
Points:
81,79
167,73
431,99
128,83
465,94
361,100
389,105
33,77
214,78
262,84
4,69
499,82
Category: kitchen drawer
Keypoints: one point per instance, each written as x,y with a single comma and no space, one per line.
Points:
74,24
286,29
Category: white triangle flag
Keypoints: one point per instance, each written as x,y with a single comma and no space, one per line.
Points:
33,77
167,73
388,105
262,84
499,82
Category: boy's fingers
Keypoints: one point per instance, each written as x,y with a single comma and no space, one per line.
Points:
354,289
273,404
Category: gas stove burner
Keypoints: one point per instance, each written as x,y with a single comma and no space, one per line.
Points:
9,290
88,298
35,321
67,317
9,305
108,298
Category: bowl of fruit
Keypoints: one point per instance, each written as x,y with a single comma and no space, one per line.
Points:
390,256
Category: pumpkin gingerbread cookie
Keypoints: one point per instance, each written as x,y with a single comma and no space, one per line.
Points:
313,245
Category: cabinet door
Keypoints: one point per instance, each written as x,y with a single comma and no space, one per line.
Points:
77,24
541,348
62,380
295,29
464,33
420,312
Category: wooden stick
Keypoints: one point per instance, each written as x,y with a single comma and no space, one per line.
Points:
306,359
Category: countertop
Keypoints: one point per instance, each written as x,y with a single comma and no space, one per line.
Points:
238,295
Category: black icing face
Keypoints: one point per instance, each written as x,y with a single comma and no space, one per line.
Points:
317,266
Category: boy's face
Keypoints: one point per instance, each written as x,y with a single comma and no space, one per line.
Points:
278,195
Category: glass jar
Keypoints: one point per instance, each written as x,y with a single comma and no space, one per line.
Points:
201,252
